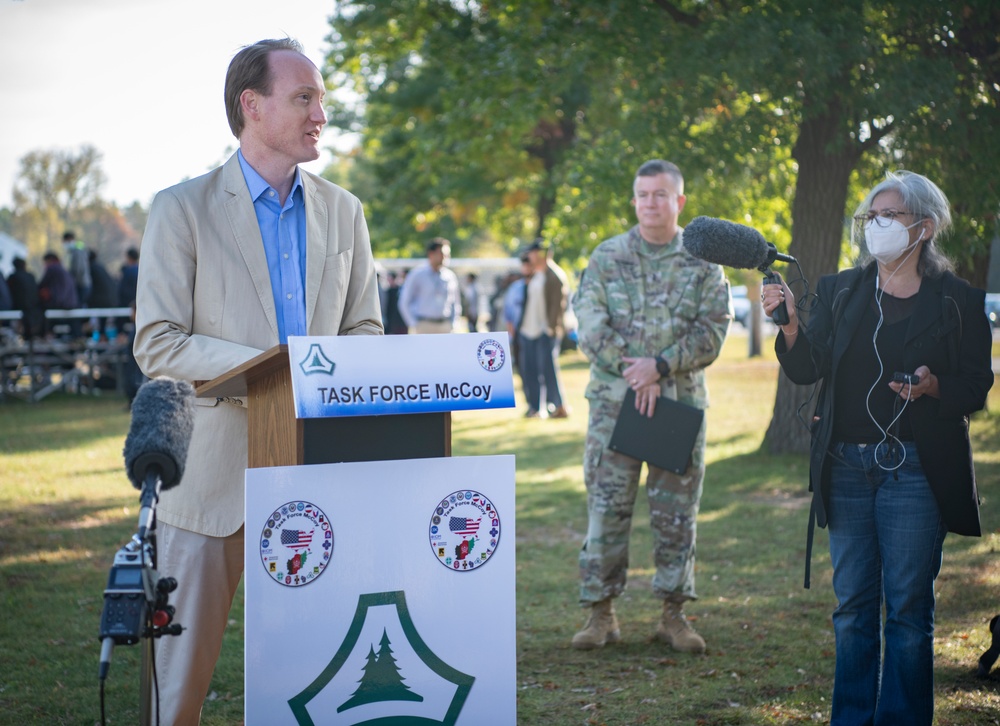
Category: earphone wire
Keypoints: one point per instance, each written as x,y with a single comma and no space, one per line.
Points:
888,439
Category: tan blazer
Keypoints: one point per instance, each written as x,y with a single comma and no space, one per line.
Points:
204,305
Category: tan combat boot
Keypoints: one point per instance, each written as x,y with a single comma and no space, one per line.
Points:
601,627
676,631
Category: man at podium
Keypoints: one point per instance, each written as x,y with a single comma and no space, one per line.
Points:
234,262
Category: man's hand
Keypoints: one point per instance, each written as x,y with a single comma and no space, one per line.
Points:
640,372
645,399
643,378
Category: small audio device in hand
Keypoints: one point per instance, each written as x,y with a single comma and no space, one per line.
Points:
780,314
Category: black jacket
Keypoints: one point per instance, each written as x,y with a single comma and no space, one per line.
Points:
950,334
25,297
104,289
23,290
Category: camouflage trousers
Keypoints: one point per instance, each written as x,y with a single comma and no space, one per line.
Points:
612,481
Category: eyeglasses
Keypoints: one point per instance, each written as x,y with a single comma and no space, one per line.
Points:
883,219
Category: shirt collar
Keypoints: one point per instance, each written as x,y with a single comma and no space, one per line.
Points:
256,183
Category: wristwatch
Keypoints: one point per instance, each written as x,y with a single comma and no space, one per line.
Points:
662,367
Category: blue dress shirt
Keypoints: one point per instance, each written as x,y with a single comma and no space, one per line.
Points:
283,229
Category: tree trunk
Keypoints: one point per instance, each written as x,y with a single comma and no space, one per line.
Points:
546,203
826,157
550,141
977,271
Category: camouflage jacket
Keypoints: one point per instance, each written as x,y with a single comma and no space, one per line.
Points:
637,299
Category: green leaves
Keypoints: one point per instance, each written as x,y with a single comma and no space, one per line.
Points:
468,106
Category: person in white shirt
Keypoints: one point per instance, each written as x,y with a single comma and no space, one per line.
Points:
431,299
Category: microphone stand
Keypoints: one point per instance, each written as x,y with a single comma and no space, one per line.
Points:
136,600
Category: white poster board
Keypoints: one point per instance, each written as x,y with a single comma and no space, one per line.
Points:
381,590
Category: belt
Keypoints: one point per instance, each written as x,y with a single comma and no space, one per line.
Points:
434,320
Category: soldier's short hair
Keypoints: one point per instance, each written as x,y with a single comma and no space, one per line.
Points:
659,166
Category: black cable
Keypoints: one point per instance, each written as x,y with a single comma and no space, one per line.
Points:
155,682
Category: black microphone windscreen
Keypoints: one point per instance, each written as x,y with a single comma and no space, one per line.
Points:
725,243
162,423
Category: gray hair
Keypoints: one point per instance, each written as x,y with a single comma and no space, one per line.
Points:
925,200
659,166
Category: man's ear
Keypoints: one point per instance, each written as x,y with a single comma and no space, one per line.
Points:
248,102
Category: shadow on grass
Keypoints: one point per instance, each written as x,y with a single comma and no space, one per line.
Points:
61,422
81,524
55,562
770,642
55,583
769,638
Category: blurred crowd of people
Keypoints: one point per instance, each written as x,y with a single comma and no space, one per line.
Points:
531,305
73,280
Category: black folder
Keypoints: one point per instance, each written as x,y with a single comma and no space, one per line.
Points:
665,441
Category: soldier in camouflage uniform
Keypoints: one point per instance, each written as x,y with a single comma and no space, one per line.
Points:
651,317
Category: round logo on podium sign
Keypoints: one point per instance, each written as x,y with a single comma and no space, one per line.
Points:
464,531
491,355
296,543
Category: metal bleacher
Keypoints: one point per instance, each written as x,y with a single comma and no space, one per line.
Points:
34,368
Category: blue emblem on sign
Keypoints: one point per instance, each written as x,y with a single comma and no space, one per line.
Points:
316,361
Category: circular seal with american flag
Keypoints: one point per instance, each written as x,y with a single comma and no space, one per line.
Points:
296,543
464,530
491,355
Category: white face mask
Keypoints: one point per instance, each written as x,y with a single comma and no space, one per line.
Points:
886,244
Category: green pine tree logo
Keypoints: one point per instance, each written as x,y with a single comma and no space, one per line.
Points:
381,680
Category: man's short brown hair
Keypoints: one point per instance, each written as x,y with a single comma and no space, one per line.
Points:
251,69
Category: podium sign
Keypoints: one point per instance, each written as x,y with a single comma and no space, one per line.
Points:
363,375
381,592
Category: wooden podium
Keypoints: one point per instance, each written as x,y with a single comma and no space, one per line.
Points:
277,438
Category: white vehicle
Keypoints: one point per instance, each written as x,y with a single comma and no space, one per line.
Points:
741,305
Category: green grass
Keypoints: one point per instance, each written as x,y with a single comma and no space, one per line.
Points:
66,506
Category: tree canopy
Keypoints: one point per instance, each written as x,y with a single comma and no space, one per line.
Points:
56,190
529,117
506,120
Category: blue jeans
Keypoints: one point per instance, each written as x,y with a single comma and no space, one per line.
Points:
539,369
886,537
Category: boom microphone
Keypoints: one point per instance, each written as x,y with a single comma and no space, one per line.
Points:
729,244
157,443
